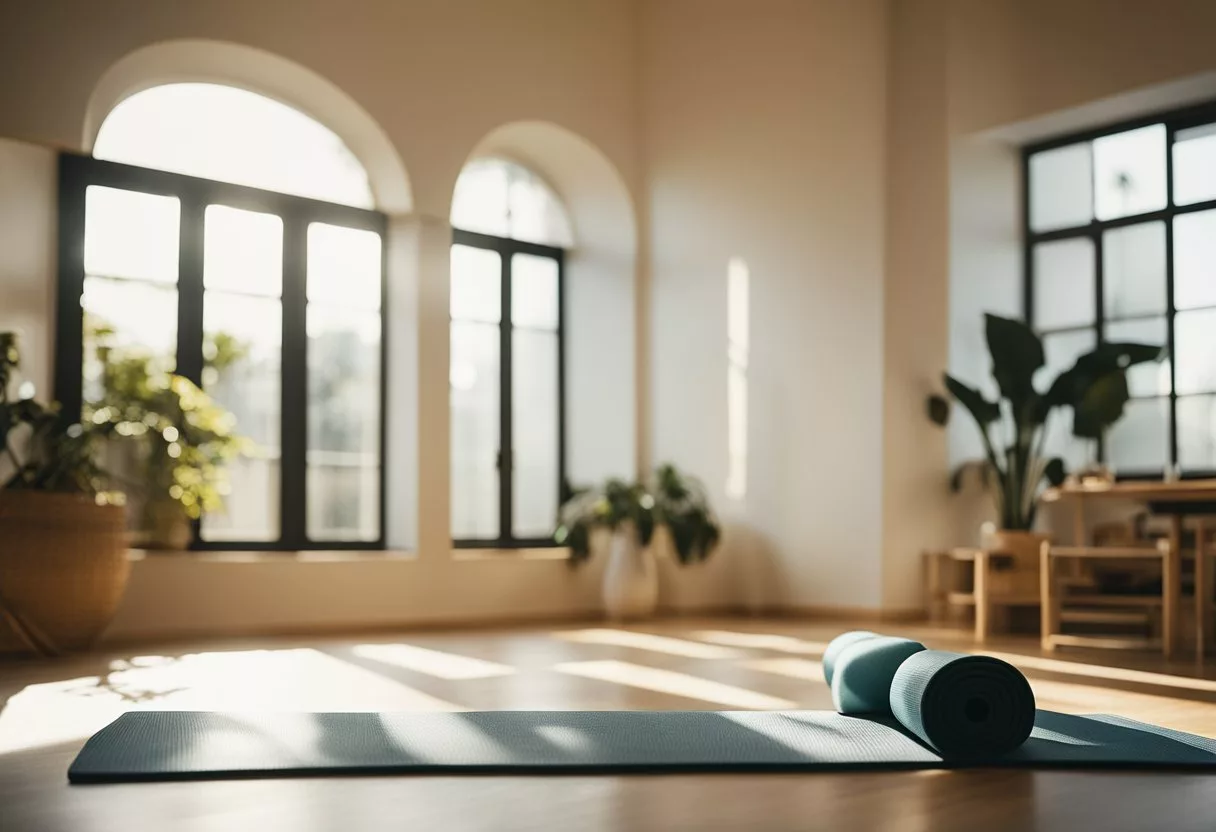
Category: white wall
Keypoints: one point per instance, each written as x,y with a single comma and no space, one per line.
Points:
763,129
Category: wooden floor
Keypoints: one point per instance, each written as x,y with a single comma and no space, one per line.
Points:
49,708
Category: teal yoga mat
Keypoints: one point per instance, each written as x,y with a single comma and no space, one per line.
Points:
179,745
900,706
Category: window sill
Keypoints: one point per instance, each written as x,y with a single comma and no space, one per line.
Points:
217,556
545,553
559,553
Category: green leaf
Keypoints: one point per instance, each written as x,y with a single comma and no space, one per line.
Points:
1054,471
983,411
1071,385
1017,352
1100,406
938,410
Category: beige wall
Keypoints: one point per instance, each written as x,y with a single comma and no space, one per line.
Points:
763,132
28,229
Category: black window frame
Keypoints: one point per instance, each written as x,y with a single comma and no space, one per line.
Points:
505,459
1174,121
77,173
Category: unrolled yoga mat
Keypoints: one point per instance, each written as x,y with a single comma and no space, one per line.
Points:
176,745
898,706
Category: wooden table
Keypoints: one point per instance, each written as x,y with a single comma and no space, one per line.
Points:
1176,500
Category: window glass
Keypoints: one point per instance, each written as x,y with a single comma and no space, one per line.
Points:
1061,188
233,135
1129,172
344,383
1195,164
1064,283
501,198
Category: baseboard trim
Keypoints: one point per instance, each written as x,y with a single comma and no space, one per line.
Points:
879,615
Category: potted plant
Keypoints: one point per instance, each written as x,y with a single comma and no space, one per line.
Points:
63,554
630,513
178,439
1014,428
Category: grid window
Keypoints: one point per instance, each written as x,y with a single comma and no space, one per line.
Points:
1120,229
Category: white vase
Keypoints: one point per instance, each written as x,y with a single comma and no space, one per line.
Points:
631,578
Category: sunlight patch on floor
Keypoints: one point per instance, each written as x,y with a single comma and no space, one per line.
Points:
802,669
255,680
1094,671
762,641
646,641
432,662
676,684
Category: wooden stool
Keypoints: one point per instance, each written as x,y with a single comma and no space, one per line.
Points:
1095,607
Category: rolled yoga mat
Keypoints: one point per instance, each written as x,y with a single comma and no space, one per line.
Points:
962,706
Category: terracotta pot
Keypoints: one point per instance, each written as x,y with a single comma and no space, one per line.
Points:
63,570
1018,572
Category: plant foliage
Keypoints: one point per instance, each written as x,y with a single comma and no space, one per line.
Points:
1014,428
183,438
43,452
668,498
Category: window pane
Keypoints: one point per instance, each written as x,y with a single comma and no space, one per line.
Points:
502,198
129,234
1133,270
1195,164
1064,284
251,511
1197,433
143,317
344,266
534,408
344,381
1144,379
1061,350
1195,351
243,251
480,200
343,498
343,423
242,356
475,434
536,214
534,301
476,293
1129,172
1195,260
1139,442
1061,188
233,135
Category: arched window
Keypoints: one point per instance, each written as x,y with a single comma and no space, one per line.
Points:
508,428
233,135
241,253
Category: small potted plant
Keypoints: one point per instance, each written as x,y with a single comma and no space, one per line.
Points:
178,439
630,513
63,553
1014,427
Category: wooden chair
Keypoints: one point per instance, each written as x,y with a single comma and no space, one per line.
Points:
989,594
1205,548
1066,600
